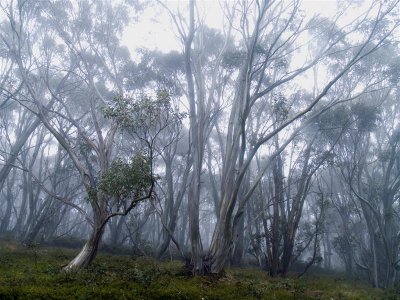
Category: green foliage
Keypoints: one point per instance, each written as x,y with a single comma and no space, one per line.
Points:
144,274
331,122
366,115
212,42
394,71
143,115
126,178
91,194
123,277
340,119
280,107
233,59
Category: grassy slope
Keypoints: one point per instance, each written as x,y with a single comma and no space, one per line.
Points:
34,273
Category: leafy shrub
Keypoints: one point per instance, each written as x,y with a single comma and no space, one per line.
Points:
144,274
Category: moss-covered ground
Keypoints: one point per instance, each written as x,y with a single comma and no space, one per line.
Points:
35,273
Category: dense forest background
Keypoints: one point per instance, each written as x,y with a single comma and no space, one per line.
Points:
272,140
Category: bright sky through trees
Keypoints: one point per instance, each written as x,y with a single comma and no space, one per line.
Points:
155,30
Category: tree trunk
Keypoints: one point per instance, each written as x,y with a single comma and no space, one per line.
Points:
275,228
221,243
166,237
182,231
38,224
374,263
88,252
194,190
169,217
194,226
5,222
22,212
327,251
238,252
15,149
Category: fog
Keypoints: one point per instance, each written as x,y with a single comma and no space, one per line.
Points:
220,133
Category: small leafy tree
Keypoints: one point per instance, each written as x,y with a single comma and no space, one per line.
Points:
129,181
125,180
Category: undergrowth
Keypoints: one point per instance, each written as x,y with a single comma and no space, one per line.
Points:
35,273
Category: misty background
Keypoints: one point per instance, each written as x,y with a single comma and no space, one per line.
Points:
222,133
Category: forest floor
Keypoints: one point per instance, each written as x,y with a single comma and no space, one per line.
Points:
35,273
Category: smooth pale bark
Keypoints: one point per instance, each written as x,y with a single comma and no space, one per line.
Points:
220,248
89,250
87,253
202,86
174,197
238,228
222,240
197,146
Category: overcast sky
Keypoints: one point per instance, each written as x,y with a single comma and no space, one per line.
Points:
154,29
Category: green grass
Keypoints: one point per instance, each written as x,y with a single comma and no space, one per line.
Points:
35,273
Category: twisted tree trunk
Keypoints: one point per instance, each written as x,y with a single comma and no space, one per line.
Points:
88,252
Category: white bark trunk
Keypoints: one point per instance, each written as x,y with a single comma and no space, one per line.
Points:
87,254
